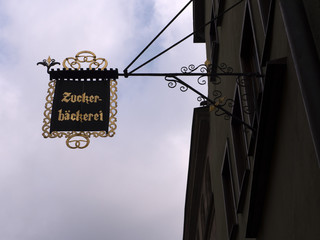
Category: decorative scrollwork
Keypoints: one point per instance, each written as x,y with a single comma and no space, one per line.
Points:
192,68
216,94
225,116
202,100
203,68
221,102
85,57
48,63
79,139
184,88
223,67
47,112
202,80
241,81
173,82
216,80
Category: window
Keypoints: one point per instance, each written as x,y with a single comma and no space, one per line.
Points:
228,190
240,149
265,6
251,86
209,204
208,188
214,45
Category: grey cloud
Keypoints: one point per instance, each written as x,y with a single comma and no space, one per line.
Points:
131,186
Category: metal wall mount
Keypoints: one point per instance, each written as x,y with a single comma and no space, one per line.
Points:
202,72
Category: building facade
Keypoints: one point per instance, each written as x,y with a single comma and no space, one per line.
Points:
255,174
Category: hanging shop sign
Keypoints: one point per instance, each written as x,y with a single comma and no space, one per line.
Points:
81,103
80,106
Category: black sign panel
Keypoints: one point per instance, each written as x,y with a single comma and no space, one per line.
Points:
80,106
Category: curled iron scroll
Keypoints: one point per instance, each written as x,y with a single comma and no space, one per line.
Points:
221,102
224,68
203,69
221,68
173,82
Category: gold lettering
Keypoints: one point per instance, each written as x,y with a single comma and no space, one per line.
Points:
79,116
73,98
96,98
67,115
65,97
73,116
83,98
61,116
85,117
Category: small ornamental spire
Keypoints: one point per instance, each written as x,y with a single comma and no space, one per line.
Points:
48,63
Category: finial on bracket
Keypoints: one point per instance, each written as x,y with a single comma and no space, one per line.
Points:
48,63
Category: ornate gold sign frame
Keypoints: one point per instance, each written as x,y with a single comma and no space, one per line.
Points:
80,139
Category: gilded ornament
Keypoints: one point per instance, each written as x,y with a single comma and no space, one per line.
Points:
85,57
79,139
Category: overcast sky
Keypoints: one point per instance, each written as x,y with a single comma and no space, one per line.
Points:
129,187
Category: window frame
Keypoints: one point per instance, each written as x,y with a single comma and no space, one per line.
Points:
229,193
240,150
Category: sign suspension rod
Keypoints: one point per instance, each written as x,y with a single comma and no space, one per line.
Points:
126,75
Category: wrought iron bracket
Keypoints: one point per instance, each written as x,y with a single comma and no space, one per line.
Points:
204,71
216,103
